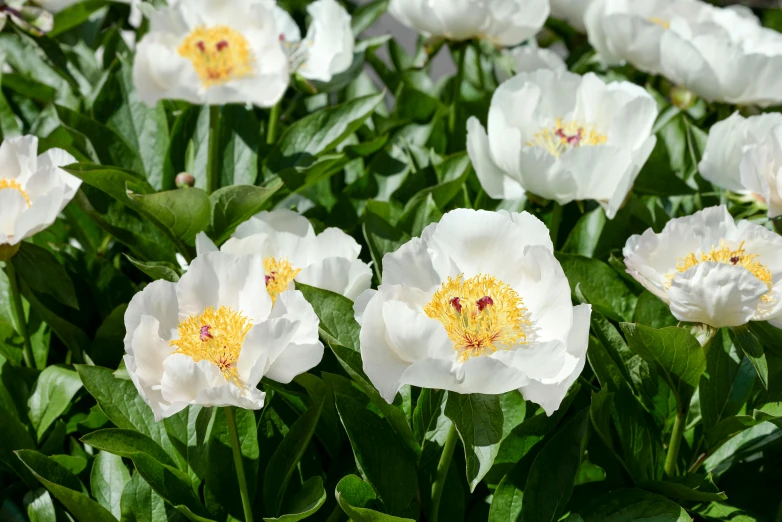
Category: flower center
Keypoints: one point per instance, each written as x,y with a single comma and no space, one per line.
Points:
725,254
219,54
12,184
214,336
279,274
566,135
665,24
481,315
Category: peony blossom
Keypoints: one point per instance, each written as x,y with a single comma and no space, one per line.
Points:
478,304
503,22
563,137
327,49
291,251
212,52
710,269
33,189
210,338
571,11
710,51
744,155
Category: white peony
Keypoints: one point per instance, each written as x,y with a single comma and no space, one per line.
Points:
744,155
711,51
327,50
210,338
563,137
478,304
292,252
503,22
710,269
571,11
212,52
33,189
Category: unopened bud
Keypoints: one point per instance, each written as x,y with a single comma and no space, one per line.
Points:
682,98
184,179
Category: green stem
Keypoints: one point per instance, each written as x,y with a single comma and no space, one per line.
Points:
16,297
676,440
274,118
230,419
556,221
213,162
457,87
442,471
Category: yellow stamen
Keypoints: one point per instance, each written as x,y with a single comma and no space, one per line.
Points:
565,135
665,24
215,336
481,315
219,54
725,254
14,185
279,274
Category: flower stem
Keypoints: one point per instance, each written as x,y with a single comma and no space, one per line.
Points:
230,420
274,118
16,297
213,162
457,86
442,471
676,440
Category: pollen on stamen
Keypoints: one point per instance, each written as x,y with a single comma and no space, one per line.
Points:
565,135
279,274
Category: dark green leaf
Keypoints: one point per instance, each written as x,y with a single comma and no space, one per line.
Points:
354,495
304,503
600,285
182,213
234,205
39,506
747,342
156,269
45,274
107,480
632,505
52,395
125,443
335,313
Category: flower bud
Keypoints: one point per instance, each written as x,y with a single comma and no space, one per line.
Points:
184,179
682,98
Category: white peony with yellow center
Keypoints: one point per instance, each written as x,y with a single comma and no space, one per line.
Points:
212,52
502,22
291,251
564,137
210,338
33,189
710,269
478,304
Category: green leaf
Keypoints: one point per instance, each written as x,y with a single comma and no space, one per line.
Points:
287,456
15,437
588,472
312,170
156,269
188,147
731,426
236,204
107,480
651,311
600,285
39,506
170,483
479,420
74,15
140,503
125,443
111,180
382,238
382,457
366,15
508,498
632,505
747,342
551,478
428,414
321,132
45,274
65,487
52,395
239,140
181,213
121,403
304,503
354,495
697,488
336,315
673,349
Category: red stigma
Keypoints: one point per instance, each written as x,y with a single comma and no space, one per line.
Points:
222,44
205,333
201,46
457,304
735,260
270,277
483,302
282,37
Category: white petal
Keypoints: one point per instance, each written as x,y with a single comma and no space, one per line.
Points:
361,303
411,265
330,40
338,275
204,244
281,220
497,183
149,350
158,300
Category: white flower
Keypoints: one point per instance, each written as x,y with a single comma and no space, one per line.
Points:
327,49
711,51
563,137
478,304
571,11
292,252
210,338
710,269
743,155
503,22
212,52
33,189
